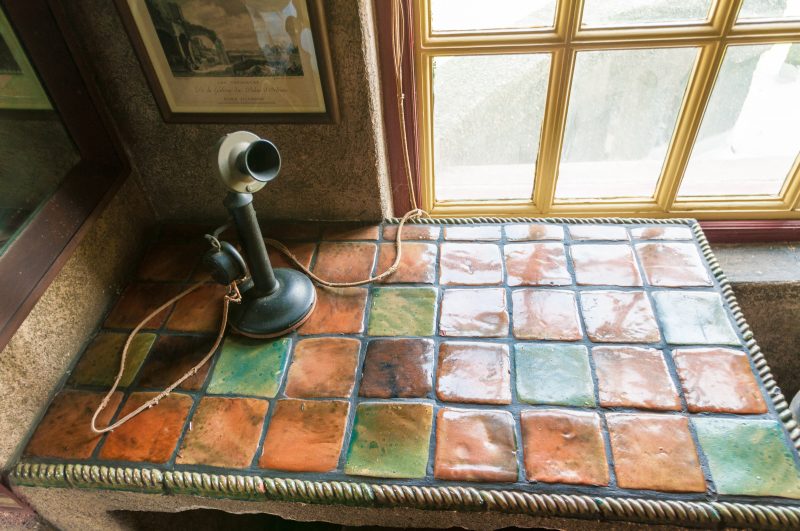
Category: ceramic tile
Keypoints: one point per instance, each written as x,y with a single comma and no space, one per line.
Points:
323,367
694,317
536,264
151,436
474,313
412,232
748,457
293,230
472,232
304,252
546,314
662,233
65,430
417,263
348,231
338,311
474,372
619,317
345,262
605,265
171,357
654,452
554,374
397,368
138,301
634,377
249,366
305,435
718,380
199,311
223,432
598,232
672,264
563,446
184,232
99,364
170,261
533,231
402,312
470,264
473,445
390,440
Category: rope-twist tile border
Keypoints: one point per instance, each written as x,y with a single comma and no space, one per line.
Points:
456,497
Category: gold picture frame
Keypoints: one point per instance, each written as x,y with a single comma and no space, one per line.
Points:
20,88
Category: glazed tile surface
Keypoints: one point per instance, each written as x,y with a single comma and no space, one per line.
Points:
541,357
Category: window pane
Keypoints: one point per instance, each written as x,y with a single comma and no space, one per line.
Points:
750,133
622,111
769,9
472,15
628,13
487,116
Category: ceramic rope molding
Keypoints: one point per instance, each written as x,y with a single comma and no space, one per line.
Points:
377,495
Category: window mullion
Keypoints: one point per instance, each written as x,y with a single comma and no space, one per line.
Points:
791,193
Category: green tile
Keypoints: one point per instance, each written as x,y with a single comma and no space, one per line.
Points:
694,318
554,374
99,365
402,312
390,440
748,457
250,367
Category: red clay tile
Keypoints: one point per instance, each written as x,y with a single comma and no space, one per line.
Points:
412,232
563,446
138,301
223,432
297,231
662,233
533,231
417,263
199,311
609,265
65,431
397,368
170,261
634,377
323,367
302,251
619,317
305,435
546,314
345,262
152,435
537,264
474,313
654,452
718,380
475,445
470,264
347,231
338,311
474,372
672,264
472,233
171,357
598,232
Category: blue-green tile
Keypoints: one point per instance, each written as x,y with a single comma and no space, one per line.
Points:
554,374
694,318
402,312
250,367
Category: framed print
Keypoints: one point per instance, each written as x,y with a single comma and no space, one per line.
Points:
235,60
19,87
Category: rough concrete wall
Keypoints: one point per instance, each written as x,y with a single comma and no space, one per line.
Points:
331,171
34,362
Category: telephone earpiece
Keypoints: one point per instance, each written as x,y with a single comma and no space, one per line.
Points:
226,263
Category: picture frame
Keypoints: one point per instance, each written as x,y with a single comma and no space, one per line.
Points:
235,61
20,89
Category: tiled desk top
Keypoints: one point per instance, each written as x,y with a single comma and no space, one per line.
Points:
599,360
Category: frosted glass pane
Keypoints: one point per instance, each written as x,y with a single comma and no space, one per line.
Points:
769,9
750,133
633,13
487,117
473,15
621,116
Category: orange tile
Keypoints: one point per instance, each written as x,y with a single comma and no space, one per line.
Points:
302,251
291,230
171,357
662,233
138,301
546,314
345,262
397,368
348,231
598,232
605,265
673,264
199,311
417,263
619,317
473,233
323,367
412,232
338,311
634,377
171,261
537,264
470,264
65,430
533,231
474,313
474,372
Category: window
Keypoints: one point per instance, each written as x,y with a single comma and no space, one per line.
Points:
663,108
